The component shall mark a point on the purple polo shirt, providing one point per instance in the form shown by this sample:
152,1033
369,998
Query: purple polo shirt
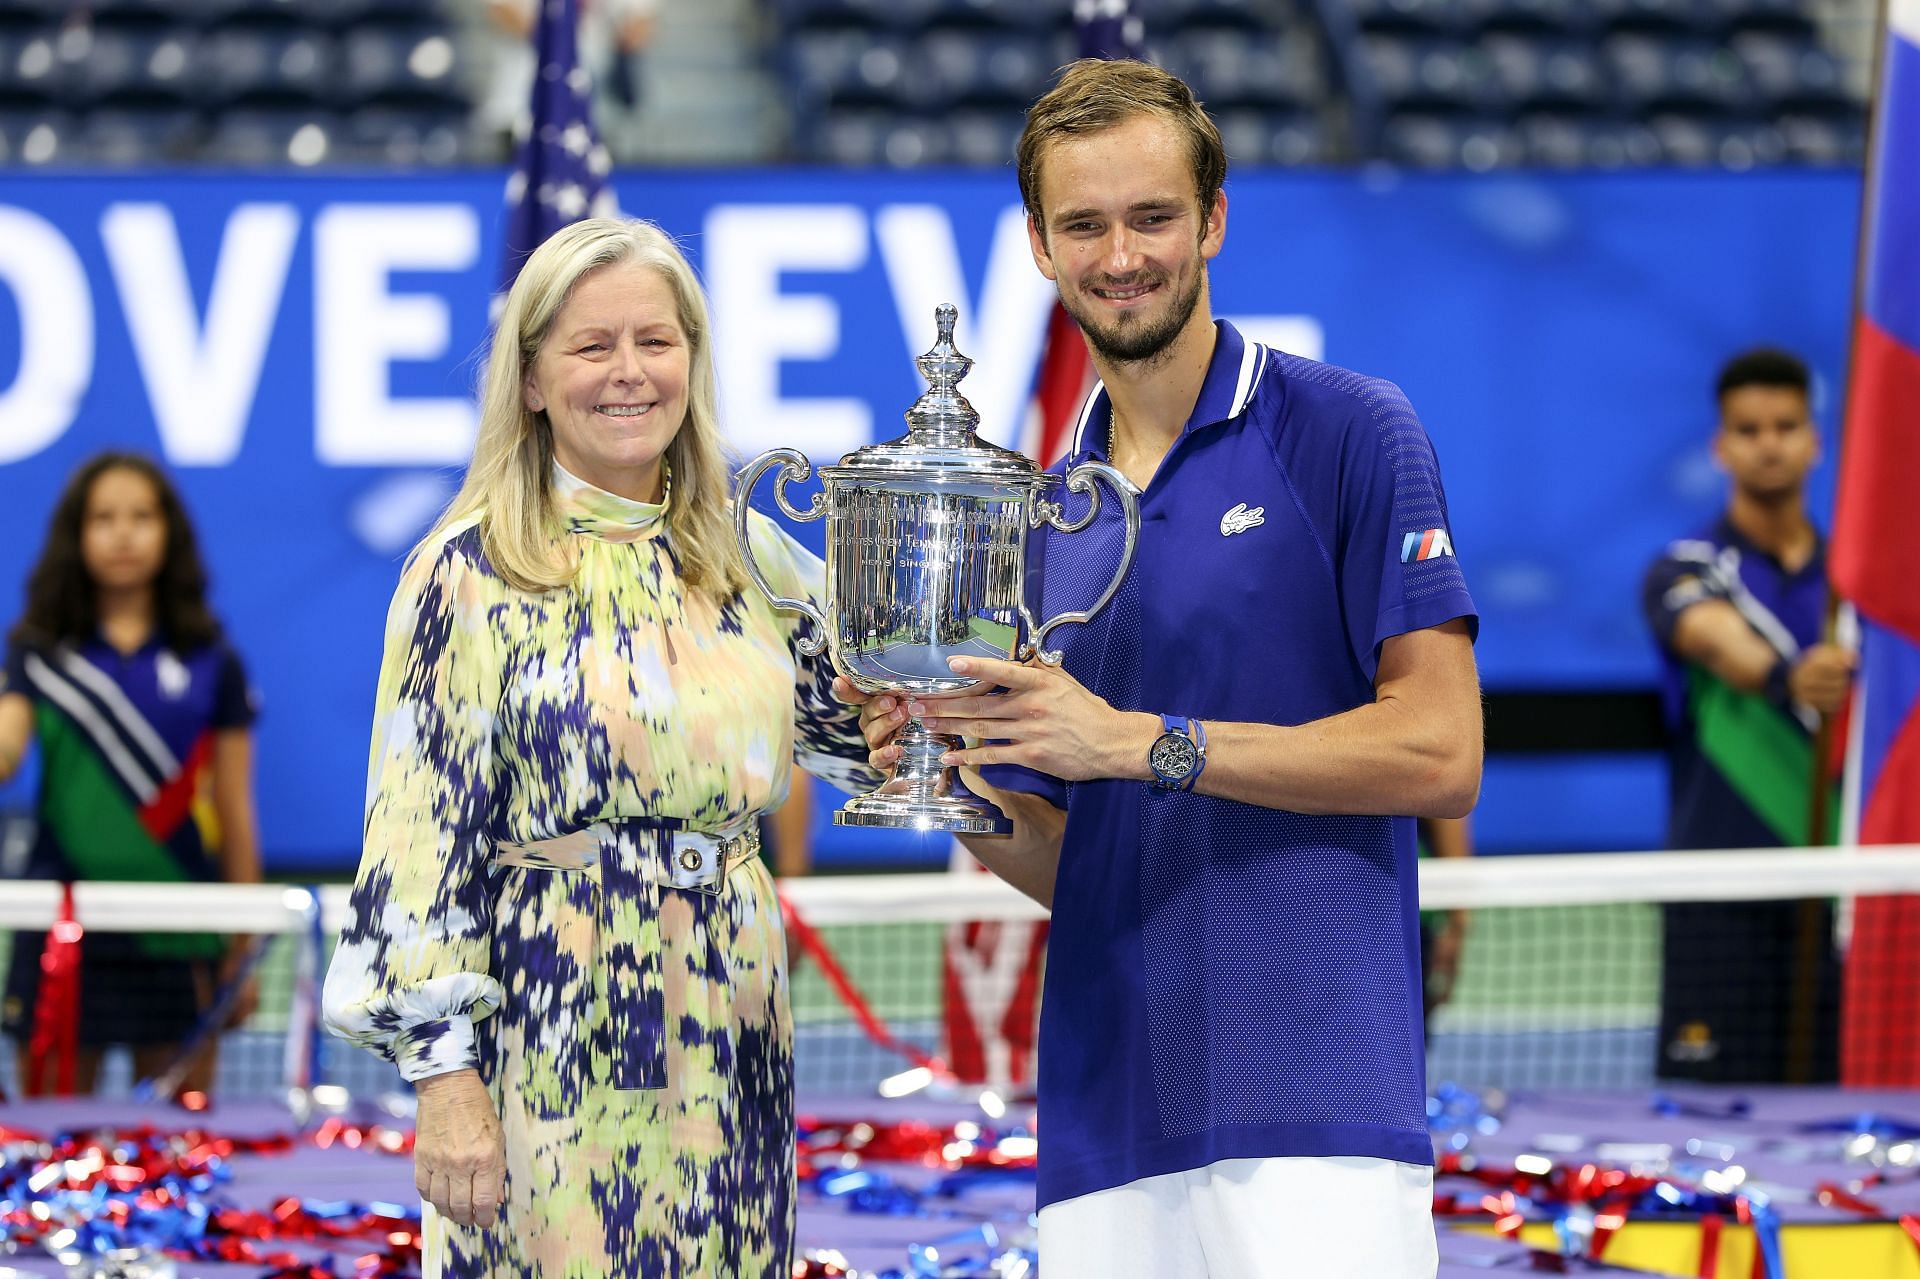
1227,981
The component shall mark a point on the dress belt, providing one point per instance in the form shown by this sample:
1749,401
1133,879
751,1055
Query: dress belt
637,857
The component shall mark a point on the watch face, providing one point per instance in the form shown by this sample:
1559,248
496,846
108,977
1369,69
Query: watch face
1174,756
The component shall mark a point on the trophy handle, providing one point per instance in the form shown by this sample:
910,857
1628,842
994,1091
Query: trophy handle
794,466
1080,480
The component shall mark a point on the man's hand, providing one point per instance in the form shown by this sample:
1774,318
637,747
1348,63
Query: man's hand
1821,677
1046,720
459,1152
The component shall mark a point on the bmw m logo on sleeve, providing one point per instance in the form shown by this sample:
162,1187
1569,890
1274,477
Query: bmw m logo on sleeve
1430,544
1240,519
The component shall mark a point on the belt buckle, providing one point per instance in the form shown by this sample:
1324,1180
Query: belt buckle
712,884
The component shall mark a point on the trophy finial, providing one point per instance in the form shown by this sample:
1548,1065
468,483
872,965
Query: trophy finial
942,415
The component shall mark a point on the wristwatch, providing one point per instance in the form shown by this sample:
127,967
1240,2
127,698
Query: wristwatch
1179,755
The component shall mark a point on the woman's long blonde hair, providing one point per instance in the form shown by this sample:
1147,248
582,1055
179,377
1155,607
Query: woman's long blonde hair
509,482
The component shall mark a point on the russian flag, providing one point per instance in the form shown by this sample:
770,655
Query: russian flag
1879,474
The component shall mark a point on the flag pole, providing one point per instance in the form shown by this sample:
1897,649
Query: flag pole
1820,794
1803,1010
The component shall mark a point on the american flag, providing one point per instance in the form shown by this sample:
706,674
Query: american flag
560,171
1106,29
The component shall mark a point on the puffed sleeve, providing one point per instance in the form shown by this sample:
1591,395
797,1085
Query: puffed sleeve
410,976
827,741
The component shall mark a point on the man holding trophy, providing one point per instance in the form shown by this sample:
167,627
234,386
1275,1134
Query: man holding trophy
1216,789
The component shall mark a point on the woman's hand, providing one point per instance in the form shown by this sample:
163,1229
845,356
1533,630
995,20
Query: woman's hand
459,1152
880,718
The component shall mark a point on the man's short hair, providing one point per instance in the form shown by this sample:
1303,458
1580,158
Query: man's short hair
1095,94
1762,366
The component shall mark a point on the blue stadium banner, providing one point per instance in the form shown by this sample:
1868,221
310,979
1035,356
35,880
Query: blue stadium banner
302,351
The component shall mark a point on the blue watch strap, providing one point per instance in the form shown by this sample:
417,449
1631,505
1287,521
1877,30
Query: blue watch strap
1198,732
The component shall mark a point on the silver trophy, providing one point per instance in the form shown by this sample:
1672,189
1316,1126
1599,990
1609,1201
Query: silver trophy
926,560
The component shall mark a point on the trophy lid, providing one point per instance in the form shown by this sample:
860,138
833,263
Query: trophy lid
941,440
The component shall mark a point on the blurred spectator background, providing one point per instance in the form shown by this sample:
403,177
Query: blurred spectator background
1472,84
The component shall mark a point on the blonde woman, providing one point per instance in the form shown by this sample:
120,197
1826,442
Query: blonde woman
560,931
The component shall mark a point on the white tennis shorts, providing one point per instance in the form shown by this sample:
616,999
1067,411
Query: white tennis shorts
1293,1218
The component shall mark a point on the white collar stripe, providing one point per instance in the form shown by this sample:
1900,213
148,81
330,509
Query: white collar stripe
1086,414
1244,386
1259,371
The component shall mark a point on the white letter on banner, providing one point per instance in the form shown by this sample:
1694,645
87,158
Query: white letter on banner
55,301
201,378
1003,331
756,326
361,329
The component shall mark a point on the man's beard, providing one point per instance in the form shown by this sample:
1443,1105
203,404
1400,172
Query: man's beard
1126,343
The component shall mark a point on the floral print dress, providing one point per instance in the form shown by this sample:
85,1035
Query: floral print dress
533,757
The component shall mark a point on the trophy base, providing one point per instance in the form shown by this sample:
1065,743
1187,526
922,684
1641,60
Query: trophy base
923,793
953,814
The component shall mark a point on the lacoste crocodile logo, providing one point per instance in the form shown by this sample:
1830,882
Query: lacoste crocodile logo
1240,519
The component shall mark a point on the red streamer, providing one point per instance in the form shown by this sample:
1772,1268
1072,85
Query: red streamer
56,1011
1832,1196
876,1029
1710,1246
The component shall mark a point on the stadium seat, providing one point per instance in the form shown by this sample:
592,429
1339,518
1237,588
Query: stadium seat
132,139
802,15
1653,74
984,139
35,72
1581,142
1694,142
30,137
1407,17
1824,139
21,14
1788,17
822,66
1791,74
341,14
286,12
402,139
1237,69
883,139
1278,138
1424,75
1562,18
1659,17
1546,73
848,139
1034,16
1188,15
382,65
12,91
272,138
986,68
908,17
260,66
131,12
122,66
1446,142
868,72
